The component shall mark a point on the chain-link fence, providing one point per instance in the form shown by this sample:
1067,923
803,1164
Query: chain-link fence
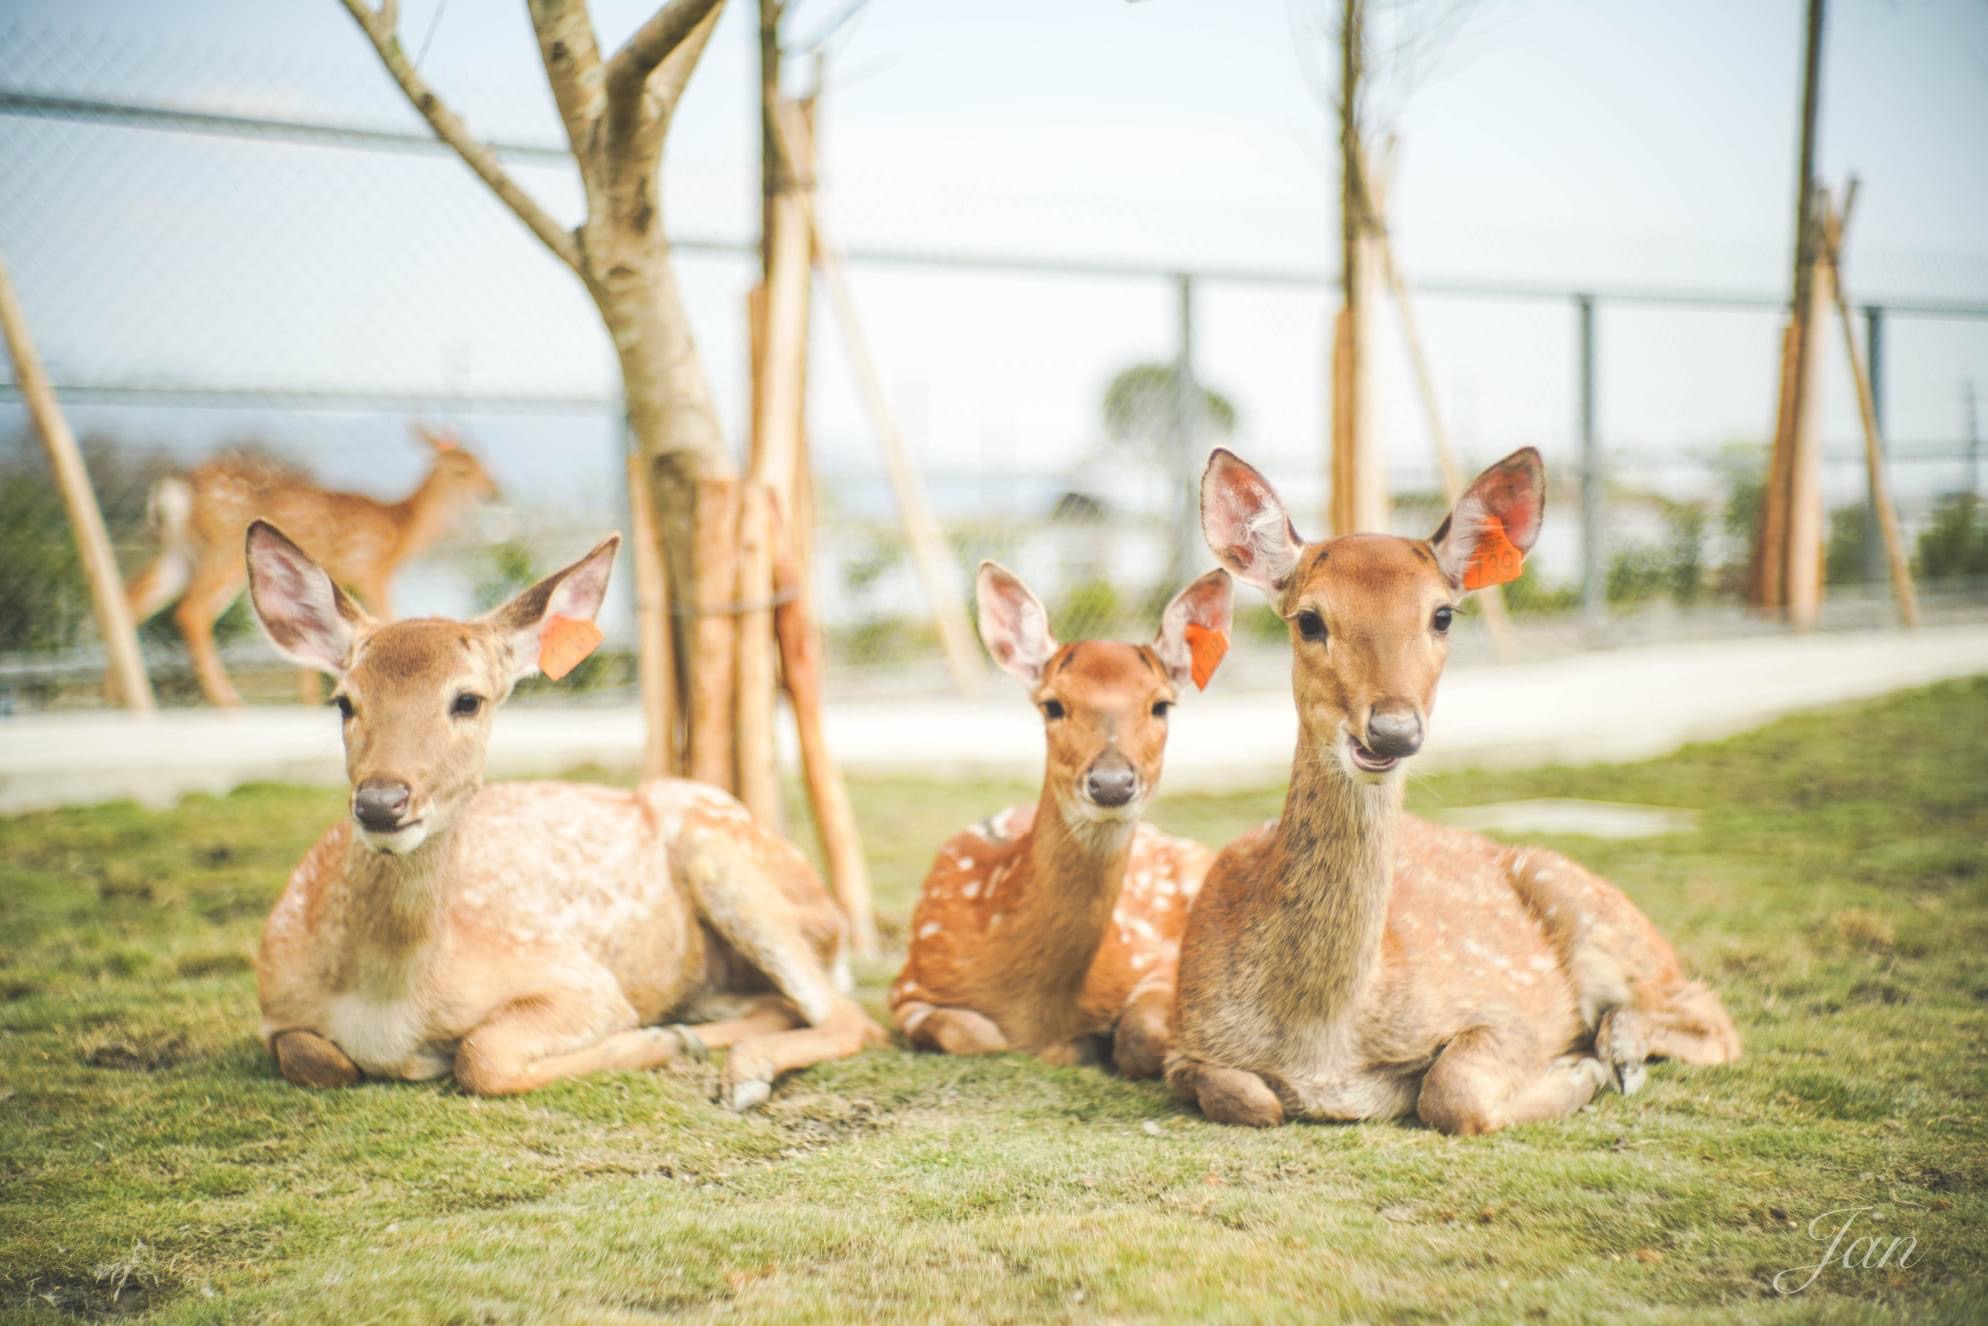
273,259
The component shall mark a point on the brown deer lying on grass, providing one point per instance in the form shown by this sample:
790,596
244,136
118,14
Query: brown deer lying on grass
1050,925
1352,962
201,517
528,931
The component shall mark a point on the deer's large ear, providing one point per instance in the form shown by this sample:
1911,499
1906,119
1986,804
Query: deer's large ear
1194,630
1486,536
308,618
550,627
1013,625
1246,525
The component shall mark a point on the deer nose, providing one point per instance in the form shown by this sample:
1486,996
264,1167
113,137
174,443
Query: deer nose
1111,783
378,804
1394,732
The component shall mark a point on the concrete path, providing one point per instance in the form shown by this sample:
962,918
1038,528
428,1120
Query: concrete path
1614,705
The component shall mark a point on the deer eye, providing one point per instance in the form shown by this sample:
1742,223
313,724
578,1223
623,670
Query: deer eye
1052,709
1442,619
466,706
1310,625
1160,708
344,706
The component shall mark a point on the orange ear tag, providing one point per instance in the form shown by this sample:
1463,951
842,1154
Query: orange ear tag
563,642
1206,648
1495,560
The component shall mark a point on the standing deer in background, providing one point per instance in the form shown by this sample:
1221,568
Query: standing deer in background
201,517
1352,962
1049,925
525,932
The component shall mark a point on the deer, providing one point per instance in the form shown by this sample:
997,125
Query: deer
519,933
1047,928
1348,961
200,519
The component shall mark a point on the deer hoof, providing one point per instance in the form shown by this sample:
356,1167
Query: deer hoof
742,1096
691,1045
1622,1047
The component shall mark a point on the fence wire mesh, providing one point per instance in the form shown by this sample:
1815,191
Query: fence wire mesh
268,257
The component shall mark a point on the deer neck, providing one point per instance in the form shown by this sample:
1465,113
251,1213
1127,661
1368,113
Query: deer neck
1055,907
400,898
1335,854
424,515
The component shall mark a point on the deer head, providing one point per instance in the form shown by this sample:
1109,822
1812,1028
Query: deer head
1104,705
457,473
1370,613
415,697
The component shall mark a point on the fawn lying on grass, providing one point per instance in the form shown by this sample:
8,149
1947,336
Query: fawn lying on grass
1352,962
523,932
1050,925
201,516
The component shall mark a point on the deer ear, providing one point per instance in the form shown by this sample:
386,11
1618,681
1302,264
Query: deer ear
1246,524
1194,630
1013,625
308,618
550,627
1484,539
444,438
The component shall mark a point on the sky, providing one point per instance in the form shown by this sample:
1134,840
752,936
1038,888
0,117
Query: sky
1551,141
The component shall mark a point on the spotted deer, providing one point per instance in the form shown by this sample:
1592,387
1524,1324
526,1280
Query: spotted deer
1052,925
201,516
1348,961
523,932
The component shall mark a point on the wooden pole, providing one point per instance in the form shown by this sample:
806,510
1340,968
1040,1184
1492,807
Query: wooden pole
1804,557
759,784
128,681
929,557
1835,226
835,821
715,633
655,653
1490,600
1359,498
1767,582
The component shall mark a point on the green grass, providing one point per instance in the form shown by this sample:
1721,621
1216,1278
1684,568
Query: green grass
1836,890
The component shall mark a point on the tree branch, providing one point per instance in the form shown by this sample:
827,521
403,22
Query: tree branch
378,25
572,57
653,42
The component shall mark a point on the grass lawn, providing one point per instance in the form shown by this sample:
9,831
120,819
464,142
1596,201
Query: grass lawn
1835,890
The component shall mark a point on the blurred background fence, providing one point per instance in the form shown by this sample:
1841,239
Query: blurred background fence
286,266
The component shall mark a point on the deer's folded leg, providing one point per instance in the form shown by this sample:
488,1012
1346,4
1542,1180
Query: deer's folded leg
753,1064
542,1038
309,1060
1494,1074
1139,1042
1226,1095
951,1030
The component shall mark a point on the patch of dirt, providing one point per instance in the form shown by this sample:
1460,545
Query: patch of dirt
137,1054
13,991
211,964
1879,992
98,1298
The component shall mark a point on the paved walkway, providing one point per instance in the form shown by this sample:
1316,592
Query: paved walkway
1613,705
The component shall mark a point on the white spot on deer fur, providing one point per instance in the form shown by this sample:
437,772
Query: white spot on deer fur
929,929
972,888
1541,964
1139,960
966,863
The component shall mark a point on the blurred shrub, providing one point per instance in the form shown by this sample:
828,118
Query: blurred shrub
1956,542
1532,595
1090,608
1843,557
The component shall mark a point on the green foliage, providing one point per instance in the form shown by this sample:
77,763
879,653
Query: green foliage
1843,553
1531,595
509,569
1956,543
1140,401
1090,610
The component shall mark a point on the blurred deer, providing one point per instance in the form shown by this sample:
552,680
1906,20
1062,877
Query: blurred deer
1352,962
201,517
1050,925
525,932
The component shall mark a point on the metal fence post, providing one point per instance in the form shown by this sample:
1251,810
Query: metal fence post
1186,417
1875,569
1594,585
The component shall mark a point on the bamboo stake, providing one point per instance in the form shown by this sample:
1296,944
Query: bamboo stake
835,821
1899,565
655,654
759,784
1803,559
1767,579
129,684
715,633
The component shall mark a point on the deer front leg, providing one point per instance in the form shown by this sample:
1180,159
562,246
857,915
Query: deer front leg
1491,1076
950,1030
542,1038
1145,1028
213,588
1226,1095
309,1060
753,1064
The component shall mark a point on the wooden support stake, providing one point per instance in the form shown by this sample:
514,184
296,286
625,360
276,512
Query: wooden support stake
1804,557
129,684
716,634
759,783
835,821
1767,580
655,654
1900,566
